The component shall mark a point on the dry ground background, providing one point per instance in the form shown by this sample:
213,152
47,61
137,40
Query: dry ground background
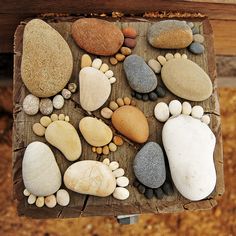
219,221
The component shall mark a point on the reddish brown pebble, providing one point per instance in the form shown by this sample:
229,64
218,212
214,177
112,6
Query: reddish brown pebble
99,150
129,32
118,140
105,150
94,149
131,43
113,61
120,57
133,102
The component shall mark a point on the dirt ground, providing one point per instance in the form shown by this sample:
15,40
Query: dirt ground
219,221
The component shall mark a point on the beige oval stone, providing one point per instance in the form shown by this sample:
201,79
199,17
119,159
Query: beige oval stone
95,132
47,61
86,61
131,122
186,79
90,177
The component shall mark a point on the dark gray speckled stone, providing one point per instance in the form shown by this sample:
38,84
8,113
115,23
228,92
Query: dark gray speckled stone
149,165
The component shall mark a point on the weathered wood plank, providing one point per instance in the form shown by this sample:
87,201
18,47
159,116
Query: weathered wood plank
82,205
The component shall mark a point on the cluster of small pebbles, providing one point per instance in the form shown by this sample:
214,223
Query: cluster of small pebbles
129,43
162,111
149,193
120,193
111,147
32,104
61,198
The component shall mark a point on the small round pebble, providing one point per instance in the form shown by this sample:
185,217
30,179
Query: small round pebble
138,96
136,183
45,121
186,108
99,150
145,97
125,51
127,100
167,188
148,193
133,102
198,38
38,129
86,61
195,29
113,61
113,105
121,193
161,92
58,101
161,112
31,105
169,56
190,24
155,65
106,161
129,32
120,57
50,201
112,80
122,181
46,106
118,172
94,149
67,118
66,93
206,119
106,113
118,140
196,48
62,197
54,117
130,43
31,199
109,74
175,107
184,56
114,165
141,189
72,87
120,102
26,192
40,202
104,68
97,63
61,117
153,96
161,59
112,147
177,55
105,150
158,193
197,112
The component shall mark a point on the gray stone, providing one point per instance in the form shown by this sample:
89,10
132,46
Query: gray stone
140,76
149,165
195,30
196,48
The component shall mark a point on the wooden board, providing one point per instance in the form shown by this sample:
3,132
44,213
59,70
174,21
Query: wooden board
82,205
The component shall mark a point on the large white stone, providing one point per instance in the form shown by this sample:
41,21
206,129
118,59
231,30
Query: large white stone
189,145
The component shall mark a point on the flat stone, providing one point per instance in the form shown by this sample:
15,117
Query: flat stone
90,177
47,61
149,165
186,79
95,88
189,145
97,36
196,48
140,76
170,34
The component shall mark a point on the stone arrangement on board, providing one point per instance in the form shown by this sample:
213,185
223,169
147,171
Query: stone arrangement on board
187,146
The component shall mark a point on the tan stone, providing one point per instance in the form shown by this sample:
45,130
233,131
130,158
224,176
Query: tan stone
86,61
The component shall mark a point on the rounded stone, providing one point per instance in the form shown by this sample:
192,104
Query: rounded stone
31,199
97,36
112,80
140,76
105,150
145,97
31,104
104,67
167,188
175,107
85,61
141,189
46,106
45,121
54,117
169,56
112,147
122,181
114,165
161,59
130,43
50,201
196,48
197,112
109,74
155,65
38,129
161,92
118,140
198,38
106,113
120,57
63,197
106,161
158,193
186,108
125,51
58,101
149,165
118,172
40,202
148,193
113,105
66,93
97,62
129,32
120,102
161,112
113,60
153,96
177,55
26,192
121,193
206,119
72,87
127,100
47,62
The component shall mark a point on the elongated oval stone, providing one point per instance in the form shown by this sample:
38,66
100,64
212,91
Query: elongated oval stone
140,76
186,79
47,61
189,145
170,34
90,177
97,36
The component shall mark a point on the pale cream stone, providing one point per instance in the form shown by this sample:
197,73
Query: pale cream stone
112,80
177,55
184,56
31,104
58,101
67,118
31,199
106,113
161,112
121,193
118,172
86,61
109,73
40,202
54,117
206,119
122,181
97,63
38,129
155,65
175,107
106,161
66,93
186,108
169,56
161,59
45,121
62,197
114,165
26,192
112,147
197,112
104,68
61,117
50,201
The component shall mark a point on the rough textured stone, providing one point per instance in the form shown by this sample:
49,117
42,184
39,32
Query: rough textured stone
97,36
149,165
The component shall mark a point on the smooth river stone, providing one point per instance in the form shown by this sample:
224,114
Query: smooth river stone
90,177
149,165
95,131
186,79
97,36
140,76
95,88
47,61
132,123
170,34
38,167
189,145
63,135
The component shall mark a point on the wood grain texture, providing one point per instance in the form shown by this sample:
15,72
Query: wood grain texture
82,205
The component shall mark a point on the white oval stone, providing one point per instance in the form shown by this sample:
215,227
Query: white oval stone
114,165
161,59
63,197
58,101
109,74
186,108
161,112
175,107
118,172
206,119
26,192
122,181
112,80
104,68
50,201
197,112
40,202
177,55
121,193
38,167
31,104
155,65
31,199
90,177
189,145
95,88
169,56
106,161
97,63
